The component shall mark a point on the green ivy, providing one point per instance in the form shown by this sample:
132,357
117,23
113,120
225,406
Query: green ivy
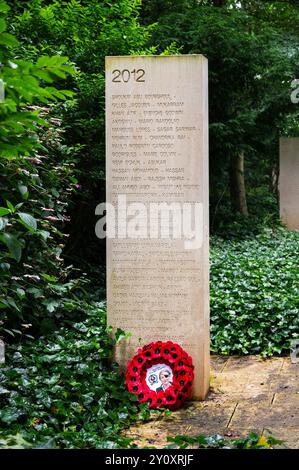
65,390
251,441
254,293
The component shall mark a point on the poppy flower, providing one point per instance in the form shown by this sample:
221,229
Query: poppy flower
144,396
157,349
135,387
157,400
133,370
170,397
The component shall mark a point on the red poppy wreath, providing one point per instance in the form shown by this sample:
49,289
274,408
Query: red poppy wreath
161,374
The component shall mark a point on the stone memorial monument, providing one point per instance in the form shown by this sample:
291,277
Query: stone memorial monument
289,182
157,183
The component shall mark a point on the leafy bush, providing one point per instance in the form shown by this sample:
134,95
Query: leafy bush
64,391
37,178
254,295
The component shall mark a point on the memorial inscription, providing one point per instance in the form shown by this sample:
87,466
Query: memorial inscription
289,182
157,154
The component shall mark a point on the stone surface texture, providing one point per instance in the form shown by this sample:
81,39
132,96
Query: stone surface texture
289,182
157,152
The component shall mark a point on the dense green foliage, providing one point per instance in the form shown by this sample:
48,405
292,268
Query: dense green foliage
52,156
35,185
64,391
254,293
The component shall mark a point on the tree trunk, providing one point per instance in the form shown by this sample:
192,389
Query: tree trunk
237,184
274,178
219,3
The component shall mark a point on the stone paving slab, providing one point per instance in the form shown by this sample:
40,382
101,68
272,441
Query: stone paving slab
248,394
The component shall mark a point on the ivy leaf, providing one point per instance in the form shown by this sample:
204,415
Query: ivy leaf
4,8
8,40
9,415
51,305
2,25
49,278
13,244
4,211
21,293
28,220
3,223
23,190
120,334
4,266
44,234
10,207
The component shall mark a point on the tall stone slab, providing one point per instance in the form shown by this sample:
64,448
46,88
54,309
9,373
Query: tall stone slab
157,152
289,182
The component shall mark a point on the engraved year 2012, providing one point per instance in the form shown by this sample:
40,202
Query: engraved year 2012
126,75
